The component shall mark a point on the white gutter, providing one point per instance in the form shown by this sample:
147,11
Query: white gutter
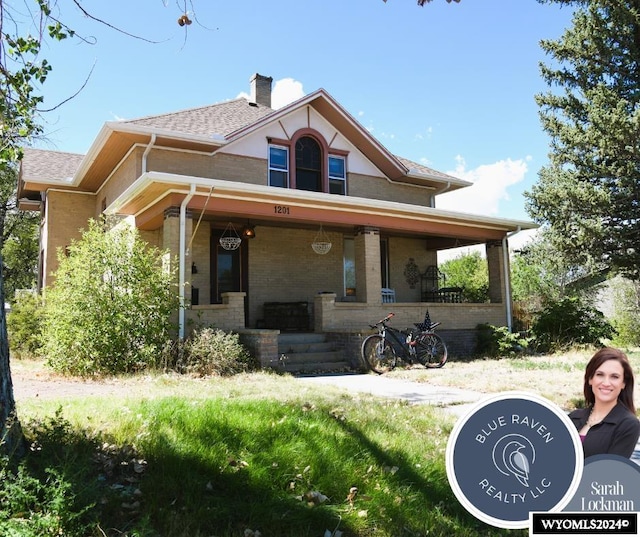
152,142
507,274
443,189
182,258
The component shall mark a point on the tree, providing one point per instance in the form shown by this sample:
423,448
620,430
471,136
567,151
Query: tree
21,70
19,239
589,194
22,73
470,272
109,309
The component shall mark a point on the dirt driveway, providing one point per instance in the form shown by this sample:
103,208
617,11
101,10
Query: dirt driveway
32,379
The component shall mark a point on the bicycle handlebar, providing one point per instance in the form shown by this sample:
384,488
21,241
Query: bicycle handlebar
382,321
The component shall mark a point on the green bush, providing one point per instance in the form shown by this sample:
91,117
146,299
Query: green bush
210,351
37,500
109,310
626,317
33,508
499,341
568,322
24,325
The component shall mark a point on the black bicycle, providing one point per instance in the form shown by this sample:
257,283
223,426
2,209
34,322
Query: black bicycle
381,351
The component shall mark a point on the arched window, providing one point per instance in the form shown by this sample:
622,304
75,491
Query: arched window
308,164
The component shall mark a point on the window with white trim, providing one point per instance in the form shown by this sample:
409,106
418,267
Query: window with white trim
278,166
337,175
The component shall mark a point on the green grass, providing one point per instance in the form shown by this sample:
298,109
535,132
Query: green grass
257,453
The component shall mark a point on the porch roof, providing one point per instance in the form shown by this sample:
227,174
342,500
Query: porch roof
154,192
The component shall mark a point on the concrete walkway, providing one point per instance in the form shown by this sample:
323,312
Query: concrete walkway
453,399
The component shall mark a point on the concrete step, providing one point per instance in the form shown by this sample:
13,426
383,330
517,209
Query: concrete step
312,347
313,357
294,338
319,367
310,352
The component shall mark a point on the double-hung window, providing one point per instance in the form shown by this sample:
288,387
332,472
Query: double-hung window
337,175
278,166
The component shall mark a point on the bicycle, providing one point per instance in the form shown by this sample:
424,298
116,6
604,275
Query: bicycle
380,351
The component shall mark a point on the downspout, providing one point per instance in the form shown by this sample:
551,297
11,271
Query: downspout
152,142
438,192
507,274
182,257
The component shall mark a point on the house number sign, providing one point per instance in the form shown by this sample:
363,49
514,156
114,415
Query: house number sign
281,209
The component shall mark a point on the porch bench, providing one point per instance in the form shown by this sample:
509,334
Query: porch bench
292,316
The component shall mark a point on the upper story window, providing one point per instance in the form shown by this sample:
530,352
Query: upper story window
305,162
308,165
337,175
279,166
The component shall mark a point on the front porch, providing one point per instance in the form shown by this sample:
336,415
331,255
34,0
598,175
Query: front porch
345,324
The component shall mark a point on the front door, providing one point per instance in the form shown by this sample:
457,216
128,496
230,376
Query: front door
228,269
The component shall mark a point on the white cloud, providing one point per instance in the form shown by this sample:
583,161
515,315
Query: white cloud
283,92
490,186
286,91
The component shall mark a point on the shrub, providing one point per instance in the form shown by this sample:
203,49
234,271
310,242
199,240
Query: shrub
31,508
569,322
37,501
626,318
24,325
499,341
109,310
210,351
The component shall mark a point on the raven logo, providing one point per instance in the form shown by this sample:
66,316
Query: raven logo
513,455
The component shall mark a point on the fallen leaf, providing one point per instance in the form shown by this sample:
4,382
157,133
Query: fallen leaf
353,492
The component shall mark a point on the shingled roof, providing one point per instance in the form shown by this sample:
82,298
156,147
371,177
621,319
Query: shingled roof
217,119
43,165
420,168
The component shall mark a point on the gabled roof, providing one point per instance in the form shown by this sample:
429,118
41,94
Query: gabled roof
207,129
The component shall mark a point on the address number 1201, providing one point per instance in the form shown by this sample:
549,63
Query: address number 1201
281,209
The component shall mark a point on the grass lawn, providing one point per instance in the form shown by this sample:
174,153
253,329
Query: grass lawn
258,454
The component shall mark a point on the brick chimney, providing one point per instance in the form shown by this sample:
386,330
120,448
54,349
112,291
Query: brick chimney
261,89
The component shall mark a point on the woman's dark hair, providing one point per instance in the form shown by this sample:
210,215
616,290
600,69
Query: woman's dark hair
608,353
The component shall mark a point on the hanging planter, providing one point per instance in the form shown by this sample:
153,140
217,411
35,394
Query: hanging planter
230,239
321,244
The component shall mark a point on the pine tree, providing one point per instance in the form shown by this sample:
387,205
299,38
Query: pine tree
589,194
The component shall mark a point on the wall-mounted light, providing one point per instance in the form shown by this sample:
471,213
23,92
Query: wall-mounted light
249,232
194,269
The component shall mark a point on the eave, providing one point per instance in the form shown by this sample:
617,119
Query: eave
154,192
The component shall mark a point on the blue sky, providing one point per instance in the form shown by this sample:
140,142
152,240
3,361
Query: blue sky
449,85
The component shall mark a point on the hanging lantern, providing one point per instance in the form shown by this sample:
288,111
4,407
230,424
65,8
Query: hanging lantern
321,244
230,239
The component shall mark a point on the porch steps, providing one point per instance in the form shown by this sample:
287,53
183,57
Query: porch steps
310,352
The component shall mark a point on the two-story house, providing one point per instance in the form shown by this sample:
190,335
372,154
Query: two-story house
288,219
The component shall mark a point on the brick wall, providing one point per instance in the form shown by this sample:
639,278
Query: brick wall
366,186
400,251
67,213
283,267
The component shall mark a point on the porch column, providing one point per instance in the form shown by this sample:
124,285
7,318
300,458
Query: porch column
171,243
368,272
496,266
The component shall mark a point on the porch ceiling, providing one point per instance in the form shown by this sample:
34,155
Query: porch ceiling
154,192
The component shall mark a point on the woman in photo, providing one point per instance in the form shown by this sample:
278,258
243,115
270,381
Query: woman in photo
608,425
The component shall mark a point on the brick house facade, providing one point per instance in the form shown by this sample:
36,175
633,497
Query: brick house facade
291,175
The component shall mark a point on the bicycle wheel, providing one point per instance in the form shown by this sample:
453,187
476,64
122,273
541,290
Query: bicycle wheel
378,354
431,351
